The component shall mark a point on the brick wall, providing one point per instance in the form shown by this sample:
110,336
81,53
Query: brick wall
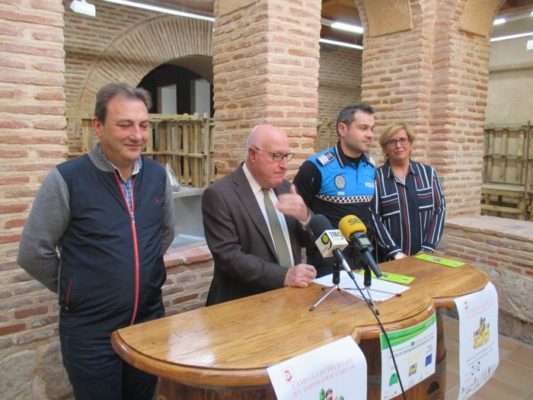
265,63
32,122
501,248
339,79
458,111
47,71
124,44
435,77
397,77
189,274
339,84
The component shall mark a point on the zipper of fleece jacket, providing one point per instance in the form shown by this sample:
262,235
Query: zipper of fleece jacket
131,212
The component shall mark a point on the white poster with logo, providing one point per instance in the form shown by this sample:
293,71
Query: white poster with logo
336,371
478,339
415,351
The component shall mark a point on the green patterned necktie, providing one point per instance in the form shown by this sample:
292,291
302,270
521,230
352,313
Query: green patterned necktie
284,256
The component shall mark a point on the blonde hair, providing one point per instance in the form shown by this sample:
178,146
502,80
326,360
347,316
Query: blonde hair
392,130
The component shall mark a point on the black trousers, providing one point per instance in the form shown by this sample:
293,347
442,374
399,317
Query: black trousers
96,372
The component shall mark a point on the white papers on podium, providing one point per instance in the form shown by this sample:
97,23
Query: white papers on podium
379,290
337,370
478,339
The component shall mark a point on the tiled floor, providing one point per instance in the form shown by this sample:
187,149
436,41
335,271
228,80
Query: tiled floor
513,379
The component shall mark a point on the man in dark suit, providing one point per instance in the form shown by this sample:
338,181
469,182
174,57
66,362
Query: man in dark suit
256,244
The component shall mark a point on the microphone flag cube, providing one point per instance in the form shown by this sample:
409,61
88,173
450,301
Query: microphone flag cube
329,241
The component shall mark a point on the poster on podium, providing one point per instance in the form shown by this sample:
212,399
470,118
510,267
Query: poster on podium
478,339
415,352
336,371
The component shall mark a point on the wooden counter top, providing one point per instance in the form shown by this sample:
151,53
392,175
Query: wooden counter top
232,344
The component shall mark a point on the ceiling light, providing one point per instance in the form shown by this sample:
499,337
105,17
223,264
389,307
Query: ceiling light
347,27
82,7
529,45
508,37
499,21
161,9
341,44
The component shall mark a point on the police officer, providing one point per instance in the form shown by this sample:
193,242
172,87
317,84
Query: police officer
340,180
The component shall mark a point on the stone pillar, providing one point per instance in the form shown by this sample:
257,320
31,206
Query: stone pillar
265,64
32,141
425,62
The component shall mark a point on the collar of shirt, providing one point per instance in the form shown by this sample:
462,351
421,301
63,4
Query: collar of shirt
256,188
390,174
136,166
344,159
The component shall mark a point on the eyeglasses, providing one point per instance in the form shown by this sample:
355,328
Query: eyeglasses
277,157
395,142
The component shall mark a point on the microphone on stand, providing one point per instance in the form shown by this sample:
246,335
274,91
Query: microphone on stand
354,230
330,242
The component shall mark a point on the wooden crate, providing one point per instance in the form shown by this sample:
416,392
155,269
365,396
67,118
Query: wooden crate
185,142
508,155
508,171
530,205
504,200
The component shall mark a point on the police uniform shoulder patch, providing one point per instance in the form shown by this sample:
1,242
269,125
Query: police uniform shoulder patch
326,158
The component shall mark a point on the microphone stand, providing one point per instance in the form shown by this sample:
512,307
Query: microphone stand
336,281
371,305
368,282
369,302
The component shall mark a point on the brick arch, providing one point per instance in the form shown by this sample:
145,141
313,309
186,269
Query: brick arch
477,16
383,17
130,56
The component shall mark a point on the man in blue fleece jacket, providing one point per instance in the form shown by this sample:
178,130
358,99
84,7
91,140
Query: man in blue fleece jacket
96,235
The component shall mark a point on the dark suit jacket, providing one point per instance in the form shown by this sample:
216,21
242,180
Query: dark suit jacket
240,242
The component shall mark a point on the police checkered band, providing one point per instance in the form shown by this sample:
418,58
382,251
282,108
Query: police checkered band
345,199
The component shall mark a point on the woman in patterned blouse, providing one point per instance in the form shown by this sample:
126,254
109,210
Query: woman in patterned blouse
408,208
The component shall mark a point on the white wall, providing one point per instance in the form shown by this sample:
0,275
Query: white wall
201,101
167,100
510,88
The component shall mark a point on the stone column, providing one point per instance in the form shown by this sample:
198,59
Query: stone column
32,142
426,62
265,64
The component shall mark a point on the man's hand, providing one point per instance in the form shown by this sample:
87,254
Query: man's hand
293,205
300,275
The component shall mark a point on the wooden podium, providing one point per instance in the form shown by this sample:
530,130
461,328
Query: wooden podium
222,351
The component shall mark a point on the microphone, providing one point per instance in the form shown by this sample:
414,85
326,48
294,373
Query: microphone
354,230
330,241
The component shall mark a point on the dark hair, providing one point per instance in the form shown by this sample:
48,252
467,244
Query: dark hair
106,93
347,114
